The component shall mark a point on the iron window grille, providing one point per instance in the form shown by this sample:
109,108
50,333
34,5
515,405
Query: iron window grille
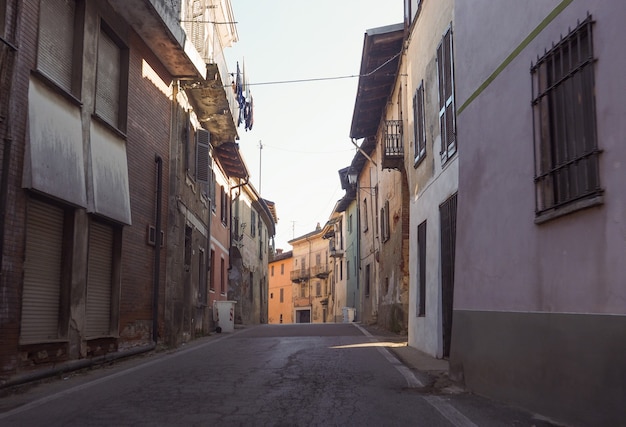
564,121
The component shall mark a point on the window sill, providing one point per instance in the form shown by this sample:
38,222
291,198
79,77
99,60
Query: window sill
41,76
418,160
109,126
570,208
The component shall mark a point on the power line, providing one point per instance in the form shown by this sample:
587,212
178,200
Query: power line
278,82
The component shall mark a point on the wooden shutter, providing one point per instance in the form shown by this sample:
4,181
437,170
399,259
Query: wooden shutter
56,41
108,79
42,272
99,280
202,156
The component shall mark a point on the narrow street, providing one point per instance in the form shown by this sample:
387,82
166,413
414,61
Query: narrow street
297,375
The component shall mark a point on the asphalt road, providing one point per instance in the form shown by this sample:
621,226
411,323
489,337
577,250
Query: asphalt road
269,375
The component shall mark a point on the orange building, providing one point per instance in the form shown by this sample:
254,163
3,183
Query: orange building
280,305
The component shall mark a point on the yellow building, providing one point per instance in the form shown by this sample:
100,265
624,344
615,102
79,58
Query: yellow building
310,277
280,304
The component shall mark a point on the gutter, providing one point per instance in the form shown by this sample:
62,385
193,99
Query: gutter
74,365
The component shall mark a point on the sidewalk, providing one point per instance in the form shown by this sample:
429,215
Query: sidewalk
431,371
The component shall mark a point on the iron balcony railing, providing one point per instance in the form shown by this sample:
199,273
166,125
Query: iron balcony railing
393,153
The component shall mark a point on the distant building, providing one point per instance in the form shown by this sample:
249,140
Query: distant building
280,304
310,277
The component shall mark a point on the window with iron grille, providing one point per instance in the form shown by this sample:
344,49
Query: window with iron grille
564,120
447,111
419,134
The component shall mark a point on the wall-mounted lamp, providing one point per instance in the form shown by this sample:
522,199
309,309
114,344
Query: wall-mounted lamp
352,177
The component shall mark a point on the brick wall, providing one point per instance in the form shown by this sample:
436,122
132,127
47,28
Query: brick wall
149,117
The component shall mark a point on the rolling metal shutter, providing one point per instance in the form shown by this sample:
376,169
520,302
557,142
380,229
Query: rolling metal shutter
98,306
56,41
42,273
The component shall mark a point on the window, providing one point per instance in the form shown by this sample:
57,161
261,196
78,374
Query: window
421,249
111,79
318,289
447,111
59,46
3,7
212,278
203,159
419,133
282,269
201,276
272,271
188,235
384,222
350,224
223,277
318,259
367,280
348,269
224,202
271,295
252,223
365,226
303,290
566,148
282,295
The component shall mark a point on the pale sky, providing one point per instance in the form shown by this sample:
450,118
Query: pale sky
304,127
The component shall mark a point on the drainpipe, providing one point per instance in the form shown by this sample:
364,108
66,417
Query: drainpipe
5,69
157,249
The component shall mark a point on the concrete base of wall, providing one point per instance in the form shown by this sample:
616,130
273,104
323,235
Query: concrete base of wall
568,367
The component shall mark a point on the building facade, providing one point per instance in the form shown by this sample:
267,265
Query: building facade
252,233
112,146
310,277
280,304
431,161
539,313
380,179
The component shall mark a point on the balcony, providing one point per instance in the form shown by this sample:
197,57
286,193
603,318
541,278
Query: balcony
300,275
393,153
320,271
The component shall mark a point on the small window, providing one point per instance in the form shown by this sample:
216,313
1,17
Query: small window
272,271
564,119
282,269
282,295
365,222
252,223
223,276
384,222
419,134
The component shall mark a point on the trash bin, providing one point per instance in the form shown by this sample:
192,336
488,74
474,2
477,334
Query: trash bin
225,315
348,314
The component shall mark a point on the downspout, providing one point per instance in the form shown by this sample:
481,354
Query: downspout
10,50
157,248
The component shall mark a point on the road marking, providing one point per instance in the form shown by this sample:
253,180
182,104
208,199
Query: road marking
444,408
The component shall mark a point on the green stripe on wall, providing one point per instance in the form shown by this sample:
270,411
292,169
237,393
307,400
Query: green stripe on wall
555,12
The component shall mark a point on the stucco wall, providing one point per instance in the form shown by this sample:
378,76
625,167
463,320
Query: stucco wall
430,181
571,264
